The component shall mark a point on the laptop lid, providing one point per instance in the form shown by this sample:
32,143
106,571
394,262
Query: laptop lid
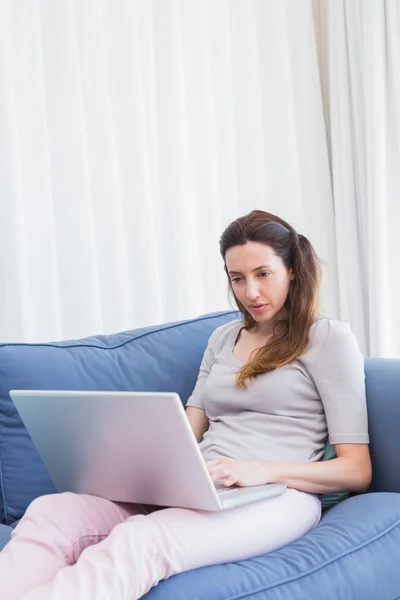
125,446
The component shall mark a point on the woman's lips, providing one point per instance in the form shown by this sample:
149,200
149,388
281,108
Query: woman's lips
259,308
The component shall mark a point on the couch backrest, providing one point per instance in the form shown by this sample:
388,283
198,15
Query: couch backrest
159,358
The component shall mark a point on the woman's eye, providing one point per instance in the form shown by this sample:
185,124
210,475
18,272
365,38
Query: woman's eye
262,274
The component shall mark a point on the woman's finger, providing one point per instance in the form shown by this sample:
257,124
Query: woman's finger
221,474
231,480
217,475
219,467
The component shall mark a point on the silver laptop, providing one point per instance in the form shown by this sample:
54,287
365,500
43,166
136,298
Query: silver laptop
128,447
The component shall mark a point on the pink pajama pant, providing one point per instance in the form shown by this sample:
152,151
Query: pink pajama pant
83,547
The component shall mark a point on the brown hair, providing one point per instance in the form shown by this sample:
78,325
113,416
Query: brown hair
290,336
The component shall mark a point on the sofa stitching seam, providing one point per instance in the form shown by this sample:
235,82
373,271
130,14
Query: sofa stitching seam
173,326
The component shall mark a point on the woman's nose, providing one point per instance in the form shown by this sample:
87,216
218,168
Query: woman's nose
252,290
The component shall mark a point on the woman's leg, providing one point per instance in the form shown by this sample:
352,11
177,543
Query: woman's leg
146,549
51,535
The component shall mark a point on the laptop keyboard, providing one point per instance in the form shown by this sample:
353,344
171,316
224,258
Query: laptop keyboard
221,488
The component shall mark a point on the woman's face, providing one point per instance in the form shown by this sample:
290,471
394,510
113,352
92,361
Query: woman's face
259,278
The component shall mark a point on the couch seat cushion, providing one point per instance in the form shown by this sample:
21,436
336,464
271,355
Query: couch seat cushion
354,552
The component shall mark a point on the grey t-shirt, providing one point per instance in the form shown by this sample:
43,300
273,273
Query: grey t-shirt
289,413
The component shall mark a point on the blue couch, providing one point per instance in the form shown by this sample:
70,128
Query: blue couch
354,553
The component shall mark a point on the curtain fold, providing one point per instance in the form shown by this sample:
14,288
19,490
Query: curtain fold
359,43
132,133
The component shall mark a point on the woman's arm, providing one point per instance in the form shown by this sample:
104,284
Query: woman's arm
349,472
336,366
198,421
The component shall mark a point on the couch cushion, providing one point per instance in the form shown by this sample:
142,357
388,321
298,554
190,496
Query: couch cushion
354,552
5,533
159,358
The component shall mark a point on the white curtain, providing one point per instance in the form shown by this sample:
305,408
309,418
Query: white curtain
359,43
132,133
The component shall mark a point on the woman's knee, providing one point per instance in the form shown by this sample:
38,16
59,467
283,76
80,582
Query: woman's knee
54,513
61,520
60,523
53,505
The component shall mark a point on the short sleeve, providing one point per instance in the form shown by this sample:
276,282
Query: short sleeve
204,371
337,367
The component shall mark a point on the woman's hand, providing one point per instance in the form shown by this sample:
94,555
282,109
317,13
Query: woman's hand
242,473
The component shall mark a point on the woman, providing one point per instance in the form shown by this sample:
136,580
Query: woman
272,388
